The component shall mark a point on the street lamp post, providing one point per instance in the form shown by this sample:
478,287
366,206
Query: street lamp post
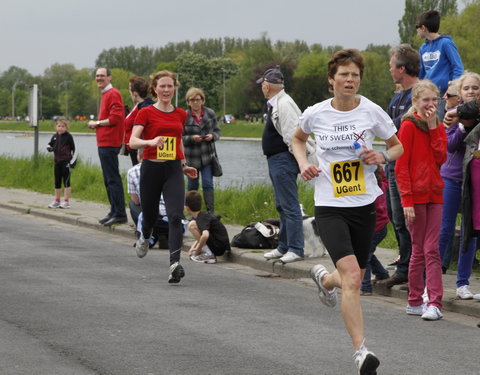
224,95
65,83
13,98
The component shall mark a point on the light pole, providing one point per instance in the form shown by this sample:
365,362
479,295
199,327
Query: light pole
13,97
224,95
65,83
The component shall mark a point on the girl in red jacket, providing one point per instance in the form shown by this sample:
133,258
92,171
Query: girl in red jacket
418,176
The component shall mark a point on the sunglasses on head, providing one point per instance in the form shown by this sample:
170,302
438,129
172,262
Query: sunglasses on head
451,95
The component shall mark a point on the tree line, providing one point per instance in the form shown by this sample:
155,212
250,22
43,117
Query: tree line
227,68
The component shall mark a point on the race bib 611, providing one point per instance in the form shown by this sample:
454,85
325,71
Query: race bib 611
168,151
347,178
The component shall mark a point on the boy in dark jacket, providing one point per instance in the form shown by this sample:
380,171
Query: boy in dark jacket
211,237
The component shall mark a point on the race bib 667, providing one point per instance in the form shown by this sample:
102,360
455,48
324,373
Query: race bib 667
347,178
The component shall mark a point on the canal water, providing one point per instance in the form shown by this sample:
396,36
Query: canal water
242,161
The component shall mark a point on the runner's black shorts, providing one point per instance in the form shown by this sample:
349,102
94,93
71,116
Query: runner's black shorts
346,231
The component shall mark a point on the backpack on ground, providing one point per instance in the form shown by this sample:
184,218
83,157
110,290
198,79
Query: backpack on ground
258,235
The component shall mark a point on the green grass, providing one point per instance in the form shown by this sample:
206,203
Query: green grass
242,129
45,126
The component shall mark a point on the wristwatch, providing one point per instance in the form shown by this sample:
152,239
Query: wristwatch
386,155
98,123
184,165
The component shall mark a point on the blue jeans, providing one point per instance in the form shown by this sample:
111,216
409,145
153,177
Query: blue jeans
112,180
452,195
283,171
207,179
374,266
398,220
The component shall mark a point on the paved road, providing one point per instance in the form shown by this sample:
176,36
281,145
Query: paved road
78,301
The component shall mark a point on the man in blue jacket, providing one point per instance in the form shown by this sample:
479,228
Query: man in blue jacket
439,58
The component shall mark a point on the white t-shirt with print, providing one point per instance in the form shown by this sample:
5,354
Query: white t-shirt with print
342,181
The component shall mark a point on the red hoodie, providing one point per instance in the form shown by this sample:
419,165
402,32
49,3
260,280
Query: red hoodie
418,170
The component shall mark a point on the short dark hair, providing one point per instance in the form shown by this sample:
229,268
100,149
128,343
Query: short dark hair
107,70
430,19
404,55
345,57
140,85
193,200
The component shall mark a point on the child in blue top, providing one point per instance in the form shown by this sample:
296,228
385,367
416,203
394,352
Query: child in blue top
439,58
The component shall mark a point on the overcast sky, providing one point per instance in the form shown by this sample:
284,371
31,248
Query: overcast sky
36,34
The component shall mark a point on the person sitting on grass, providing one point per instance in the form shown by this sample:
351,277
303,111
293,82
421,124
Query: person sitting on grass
211,237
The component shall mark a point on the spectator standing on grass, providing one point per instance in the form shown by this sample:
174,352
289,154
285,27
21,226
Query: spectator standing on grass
199,136
139,89
421,188
281,122
109,129
452,174
63,148
374,265
440,60
469,116
404,68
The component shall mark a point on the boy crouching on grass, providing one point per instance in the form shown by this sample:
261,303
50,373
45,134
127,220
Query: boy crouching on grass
211,237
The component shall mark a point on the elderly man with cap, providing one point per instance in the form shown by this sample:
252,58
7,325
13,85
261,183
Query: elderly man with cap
282,121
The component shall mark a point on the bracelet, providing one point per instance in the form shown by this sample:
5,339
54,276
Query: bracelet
386,155
184,165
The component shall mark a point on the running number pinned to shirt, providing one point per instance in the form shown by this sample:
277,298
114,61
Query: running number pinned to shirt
347,178
168,151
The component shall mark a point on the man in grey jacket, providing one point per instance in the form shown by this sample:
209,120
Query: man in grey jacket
282,121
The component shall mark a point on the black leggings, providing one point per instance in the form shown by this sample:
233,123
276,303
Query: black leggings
61,173
167,178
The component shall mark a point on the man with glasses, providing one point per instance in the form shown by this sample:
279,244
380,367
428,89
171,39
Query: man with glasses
109,129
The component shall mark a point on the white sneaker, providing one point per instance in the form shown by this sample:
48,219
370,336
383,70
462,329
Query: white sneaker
142,246
65,204
54,204
416,310
432,313
274,254
366,361
290,257
464,293
176,273
476,296
425,296
328,297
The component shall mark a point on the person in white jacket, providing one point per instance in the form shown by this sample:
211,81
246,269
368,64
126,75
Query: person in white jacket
281,122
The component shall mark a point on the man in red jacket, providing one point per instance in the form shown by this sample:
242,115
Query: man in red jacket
109,130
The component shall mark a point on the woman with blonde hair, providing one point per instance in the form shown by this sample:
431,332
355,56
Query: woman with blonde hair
421,188
199,136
